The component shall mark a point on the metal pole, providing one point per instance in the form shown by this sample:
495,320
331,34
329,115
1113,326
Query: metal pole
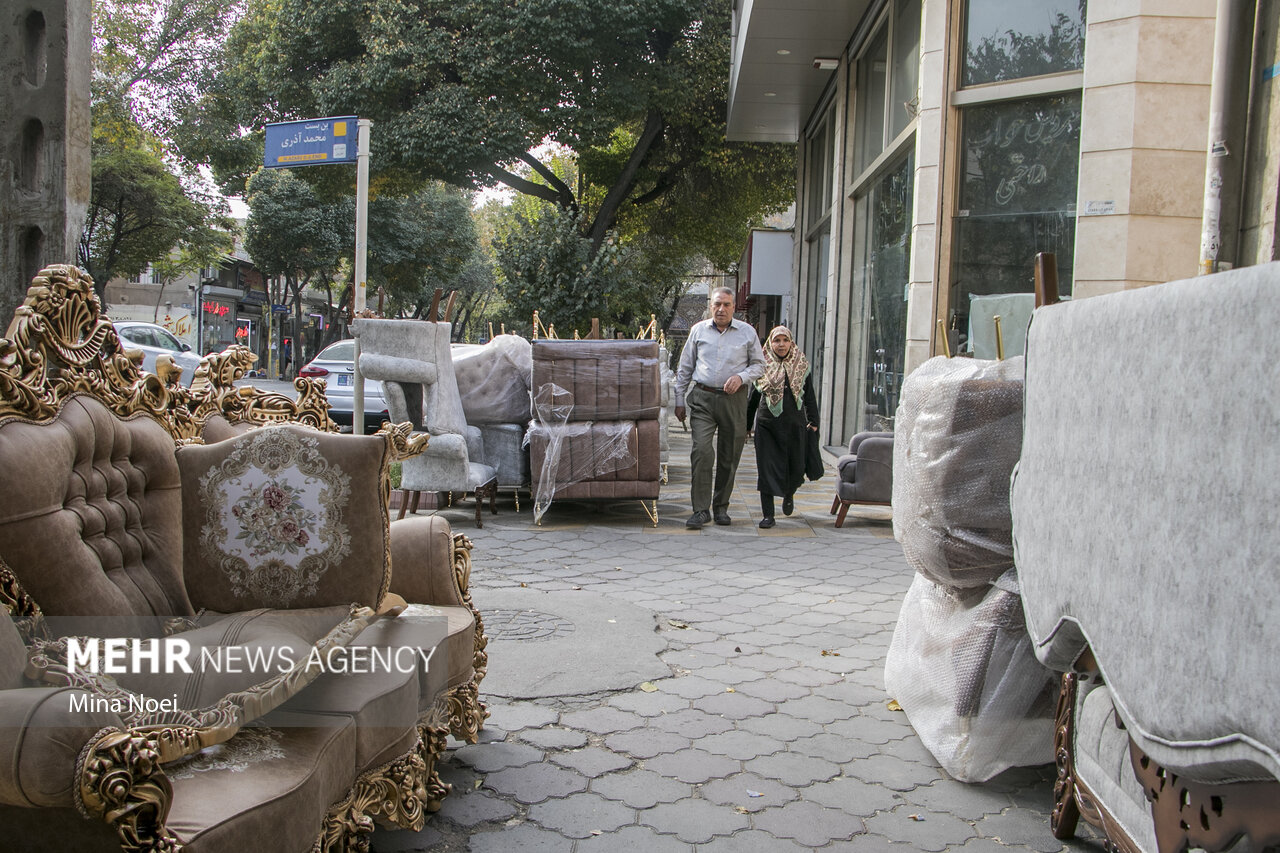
1226,28
362,246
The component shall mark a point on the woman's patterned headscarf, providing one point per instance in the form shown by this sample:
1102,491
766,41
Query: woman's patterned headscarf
781,373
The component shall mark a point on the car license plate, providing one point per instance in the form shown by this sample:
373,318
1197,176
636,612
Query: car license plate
344,378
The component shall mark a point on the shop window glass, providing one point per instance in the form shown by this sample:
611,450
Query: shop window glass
815,320
1010,39
1017,197
873,72
882,254
905,79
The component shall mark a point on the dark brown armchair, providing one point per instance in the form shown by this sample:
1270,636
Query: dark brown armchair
866,473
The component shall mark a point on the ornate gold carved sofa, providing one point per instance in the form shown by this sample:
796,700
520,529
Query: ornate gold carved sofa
151,526
1147,556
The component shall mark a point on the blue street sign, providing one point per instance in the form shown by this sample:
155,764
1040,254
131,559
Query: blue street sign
313,142
279,309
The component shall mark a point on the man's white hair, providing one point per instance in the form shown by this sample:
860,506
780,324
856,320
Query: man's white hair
727,291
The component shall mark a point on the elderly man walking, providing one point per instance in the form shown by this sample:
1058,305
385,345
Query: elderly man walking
720,361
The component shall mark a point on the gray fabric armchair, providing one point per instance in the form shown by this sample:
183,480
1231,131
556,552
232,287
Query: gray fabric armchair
866,473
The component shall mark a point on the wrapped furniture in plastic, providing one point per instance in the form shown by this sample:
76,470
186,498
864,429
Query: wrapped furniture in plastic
493,381
595,431
960,663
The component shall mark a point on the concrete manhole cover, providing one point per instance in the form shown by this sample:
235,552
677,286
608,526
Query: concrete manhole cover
525,625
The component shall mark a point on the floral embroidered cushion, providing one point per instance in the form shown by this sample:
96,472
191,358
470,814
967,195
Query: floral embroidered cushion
285,516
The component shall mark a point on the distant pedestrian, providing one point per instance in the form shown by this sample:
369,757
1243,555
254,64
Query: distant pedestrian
788,413
286,357
720,359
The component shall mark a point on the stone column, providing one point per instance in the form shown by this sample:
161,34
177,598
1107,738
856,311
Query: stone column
1147,69
44,140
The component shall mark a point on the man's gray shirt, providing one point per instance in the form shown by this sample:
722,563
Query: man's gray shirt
710,356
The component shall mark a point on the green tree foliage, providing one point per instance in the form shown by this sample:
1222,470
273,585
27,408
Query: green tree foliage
419,243
151,58
149,55
296,238
464,90
139,213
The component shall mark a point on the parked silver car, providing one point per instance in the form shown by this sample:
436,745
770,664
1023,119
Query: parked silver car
155,341
335,364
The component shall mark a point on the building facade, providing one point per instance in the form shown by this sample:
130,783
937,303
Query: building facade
944,143
44,139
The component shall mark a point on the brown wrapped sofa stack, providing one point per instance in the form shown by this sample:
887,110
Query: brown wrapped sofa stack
266,557
595,429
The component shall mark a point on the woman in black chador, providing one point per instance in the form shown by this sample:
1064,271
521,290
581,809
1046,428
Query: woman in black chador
780,422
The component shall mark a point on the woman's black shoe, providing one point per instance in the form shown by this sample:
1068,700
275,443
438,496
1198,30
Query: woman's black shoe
788,505
766,522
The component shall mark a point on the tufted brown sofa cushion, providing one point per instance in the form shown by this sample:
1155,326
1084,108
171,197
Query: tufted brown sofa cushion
94,530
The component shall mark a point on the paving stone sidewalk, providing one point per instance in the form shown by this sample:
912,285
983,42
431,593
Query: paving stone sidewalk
771,730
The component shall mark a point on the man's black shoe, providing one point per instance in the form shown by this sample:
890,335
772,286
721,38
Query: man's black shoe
723,519
698,519
766,522
788,505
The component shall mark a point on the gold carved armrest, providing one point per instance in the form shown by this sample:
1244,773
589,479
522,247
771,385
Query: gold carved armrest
120,781
213,392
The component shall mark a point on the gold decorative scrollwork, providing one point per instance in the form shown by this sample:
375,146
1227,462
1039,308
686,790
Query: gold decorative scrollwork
121,783
214,392
402,441
24,611
466,712
59,345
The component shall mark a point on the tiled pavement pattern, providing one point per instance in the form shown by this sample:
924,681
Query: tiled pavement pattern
772,733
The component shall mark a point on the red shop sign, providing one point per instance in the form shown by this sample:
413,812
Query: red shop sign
216,308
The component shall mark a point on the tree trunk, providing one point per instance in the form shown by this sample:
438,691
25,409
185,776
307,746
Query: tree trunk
608,212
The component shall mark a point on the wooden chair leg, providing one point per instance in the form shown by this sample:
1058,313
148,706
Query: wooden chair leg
404,503
493,498
417,496
479,506
835,504
844,509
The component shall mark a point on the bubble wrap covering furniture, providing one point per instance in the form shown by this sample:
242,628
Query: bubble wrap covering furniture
1144,528
610,394
960,662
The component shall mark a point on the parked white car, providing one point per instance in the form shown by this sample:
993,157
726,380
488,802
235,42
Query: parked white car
155,341
335,364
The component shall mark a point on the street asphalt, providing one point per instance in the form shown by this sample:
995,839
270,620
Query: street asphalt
655,689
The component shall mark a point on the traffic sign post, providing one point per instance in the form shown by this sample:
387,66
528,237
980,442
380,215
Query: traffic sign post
362,246
326,142
312,142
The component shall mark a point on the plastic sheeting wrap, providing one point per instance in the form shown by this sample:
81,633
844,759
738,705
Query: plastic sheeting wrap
494,378
960,663
957,436
576,451
961,666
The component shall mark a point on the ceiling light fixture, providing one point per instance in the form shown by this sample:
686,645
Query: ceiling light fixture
826,63
771,94
783,52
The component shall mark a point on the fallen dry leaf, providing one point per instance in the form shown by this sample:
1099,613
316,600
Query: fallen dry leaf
649,687
894,706
742,810
522,583
730,690
830,653
674,624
